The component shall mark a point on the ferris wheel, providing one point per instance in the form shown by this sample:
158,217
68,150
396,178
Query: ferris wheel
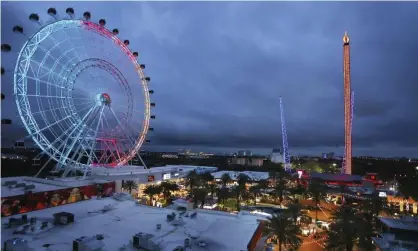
80,92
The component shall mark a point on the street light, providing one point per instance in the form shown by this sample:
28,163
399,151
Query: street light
334,165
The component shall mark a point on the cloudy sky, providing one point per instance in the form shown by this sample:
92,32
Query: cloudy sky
218,69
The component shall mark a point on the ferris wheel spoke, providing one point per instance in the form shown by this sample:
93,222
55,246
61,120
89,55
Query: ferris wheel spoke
128,136
49,126
86,152
45,96
45,68
65,155
72,45
94,142
55,41
57,62
41,81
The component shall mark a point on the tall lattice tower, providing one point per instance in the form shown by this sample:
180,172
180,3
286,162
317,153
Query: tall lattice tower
286,156
347,105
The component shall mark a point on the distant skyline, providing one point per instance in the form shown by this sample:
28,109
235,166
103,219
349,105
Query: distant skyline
218,69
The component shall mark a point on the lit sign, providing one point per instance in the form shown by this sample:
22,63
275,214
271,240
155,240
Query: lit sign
382,194
300,172
151,178
176,174
166,176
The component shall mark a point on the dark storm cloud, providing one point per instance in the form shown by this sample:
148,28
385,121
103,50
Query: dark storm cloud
218,69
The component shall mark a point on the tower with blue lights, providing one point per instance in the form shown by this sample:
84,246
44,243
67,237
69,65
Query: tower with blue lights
286,156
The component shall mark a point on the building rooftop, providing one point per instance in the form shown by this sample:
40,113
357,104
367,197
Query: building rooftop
409,224
41,185
336,177
123,219
234,175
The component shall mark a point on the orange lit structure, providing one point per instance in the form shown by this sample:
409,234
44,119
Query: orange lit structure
347,105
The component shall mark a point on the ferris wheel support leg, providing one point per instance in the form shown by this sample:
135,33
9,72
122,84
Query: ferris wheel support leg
43,167
142,161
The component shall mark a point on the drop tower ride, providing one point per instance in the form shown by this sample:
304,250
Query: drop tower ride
347,105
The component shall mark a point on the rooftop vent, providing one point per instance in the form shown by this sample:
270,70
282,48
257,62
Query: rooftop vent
10,183
29,187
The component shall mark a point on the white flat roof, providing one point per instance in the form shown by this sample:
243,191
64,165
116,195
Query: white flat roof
43,185
222,231
404,224
234,175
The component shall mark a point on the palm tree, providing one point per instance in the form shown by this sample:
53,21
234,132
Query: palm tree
242,180
130,185
282,229
167,188
345,231
212,187
273,175
206,177
281,187
151,191
225,178
316,189
295,210
223,194
299,190
255,192
191,179
199,194
237,191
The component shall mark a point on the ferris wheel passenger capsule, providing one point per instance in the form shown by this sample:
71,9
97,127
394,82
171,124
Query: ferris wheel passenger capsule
87,15
52,12
6,48
147,141
2,71
152,117
151,129
136,54
115,32
102,22
152,104
70,12
147,79
126,42
34,17
18,29
151,91
142,66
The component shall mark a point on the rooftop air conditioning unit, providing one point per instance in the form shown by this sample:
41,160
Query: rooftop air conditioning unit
20,185
9,183
63,218
87,244
144,241
15,244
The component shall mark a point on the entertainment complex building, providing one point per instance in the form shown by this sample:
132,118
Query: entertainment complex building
90,214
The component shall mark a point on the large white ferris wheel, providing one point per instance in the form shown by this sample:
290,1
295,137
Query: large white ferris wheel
81,93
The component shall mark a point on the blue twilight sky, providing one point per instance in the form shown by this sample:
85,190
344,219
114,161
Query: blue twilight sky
218,69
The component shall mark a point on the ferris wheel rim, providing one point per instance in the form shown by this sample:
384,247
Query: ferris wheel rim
22,103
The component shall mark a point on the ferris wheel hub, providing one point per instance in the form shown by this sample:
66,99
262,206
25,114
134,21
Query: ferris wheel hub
103,99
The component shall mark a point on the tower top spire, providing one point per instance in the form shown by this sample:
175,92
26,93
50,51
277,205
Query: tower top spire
346,39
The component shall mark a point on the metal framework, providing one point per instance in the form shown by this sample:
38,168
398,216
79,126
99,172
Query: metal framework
347,106
49,94
286,156
351,125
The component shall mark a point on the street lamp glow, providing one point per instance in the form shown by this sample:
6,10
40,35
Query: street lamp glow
334,165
